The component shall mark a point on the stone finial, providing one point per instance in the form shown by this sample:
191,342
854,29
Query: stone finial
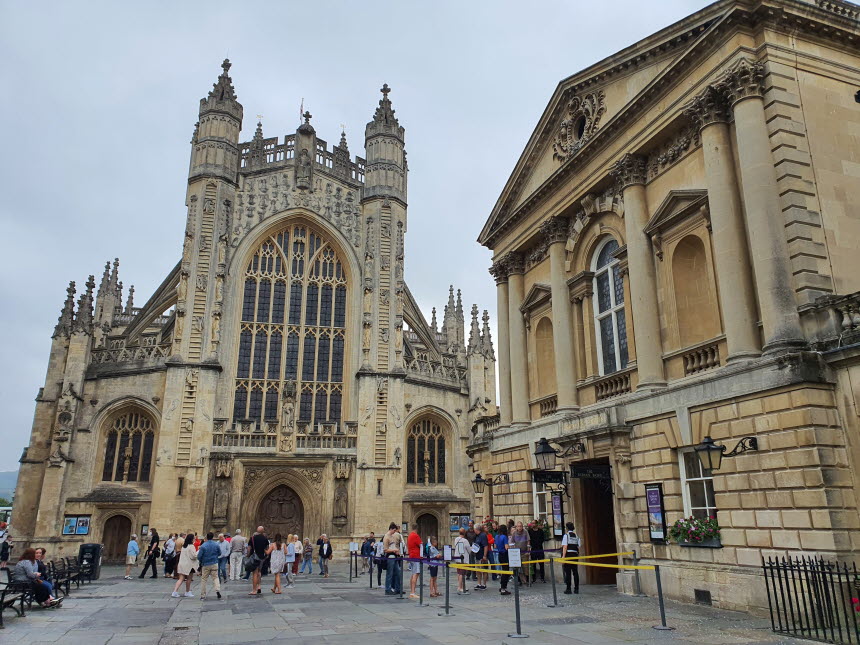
84,318
222,89
196,133
129,304
555,229
745,79
630,170
475,332
342,145
459,309
258,133
433,324
450,307
487,338
708,107
119,293
384,114
67,313
103,285
114,276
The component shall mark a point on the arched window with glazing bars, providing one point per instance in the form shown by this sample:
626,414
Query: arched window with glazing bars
129,444
292,330
425,453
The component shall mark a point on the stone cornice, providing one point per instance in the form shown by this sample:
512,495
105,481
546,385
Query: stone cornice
824,22
579,285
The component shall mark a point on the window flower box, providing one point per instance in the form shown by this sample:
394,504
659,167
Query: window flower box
696,532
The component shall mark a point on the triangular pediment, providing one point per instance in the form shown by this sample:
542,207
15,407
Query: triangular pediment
538,295
677,205
627,80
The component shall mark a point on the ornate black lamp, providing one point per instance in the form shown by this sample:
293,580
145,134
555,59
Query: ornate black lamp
545,454
479,483
711,455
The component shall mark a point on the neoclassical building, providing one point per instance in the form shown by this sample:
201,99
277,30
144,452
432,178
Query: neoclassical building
676,258
282,373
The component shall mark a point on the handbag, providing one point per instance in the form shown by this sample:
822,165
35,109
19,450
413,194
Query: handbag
251,562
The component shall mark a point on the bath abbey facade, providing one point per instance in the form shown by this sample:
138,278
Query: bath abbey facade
281,374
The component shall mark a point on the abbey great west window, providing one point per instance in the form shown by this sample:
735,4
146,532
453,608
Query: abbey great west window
291,340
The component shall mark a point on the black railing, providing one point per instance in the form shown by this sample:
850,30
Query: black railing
812,598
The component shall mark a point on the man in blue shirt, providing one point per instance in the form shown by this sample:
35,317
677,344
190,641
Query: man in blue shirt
207,556
502,549
131,553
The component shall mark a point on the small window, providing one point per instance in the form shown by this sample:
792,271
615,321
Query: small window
379,487
181,486
698,487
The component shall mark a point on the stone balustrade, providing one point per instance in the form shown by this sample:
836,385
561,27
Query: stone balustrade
612,385
153,353
837,321
548,405
446,371
702,358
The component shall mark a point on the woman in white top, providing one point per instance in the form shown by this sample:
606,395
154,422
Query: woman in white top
299,549
461,552
185,567
277,553
291,559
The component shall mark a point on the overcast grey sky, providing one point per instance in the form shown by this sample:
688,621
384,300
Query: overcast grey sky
100,100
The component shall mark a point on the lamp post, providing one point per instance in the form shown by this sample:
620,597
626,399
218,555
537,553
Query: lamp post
479,483
711,454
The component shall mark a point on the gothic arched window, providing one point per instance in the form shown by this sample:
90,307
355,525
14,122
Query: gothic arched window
291,337
425,453
609,322
129,445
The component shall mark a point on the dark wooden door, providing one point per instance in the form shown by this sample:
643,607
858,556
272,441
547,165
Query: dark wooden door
115,536
281,511
428,526
598,532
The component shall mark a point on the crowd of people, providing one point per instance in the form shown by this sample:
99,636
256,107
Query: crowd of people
227,557
486,543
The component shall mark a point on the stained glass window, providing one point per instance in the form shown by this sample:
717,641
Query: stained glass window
610,324
292,329
128,448
425,453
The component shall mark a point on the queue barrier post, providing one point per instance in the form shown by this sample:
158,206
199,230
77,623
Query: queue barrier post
351,558
662,626
637,582
400,560
370,571
447,592
421,602
519,633
552,577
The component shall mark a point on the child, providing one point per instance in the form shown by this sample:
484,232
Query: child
433,554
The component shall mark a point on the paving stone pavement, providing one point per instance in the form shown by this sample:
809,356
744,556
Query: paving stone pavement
141,612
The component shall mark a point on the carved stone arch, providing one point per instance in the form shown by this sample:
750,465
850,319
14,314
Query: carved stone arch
424,429
237,265
441,521
581,247
309,490
99,523
100,426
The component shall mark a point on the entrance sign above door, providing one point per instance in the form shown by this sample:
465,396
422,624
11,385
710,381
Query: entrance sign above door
599,471
548,477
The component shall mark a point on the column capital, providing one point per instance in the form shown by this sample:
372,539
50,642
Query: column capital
555,229
630,170
744,79
709,106
499,272
514,262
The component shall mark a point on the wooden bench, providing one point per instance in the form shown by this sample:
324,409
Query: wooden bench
11,593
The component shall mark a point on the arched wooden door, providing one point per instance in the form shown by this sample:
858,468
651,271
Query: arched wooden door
281,511
115,536
428,526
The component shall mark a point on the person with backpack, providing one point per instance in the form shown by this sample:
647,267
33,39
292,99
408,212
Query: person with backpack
570,548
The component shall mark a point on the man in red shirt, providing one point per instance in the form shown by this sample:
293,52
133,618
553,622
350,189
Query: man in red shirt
413,546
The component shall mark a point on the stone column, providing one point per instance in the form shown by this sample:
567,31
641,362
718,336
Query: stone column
517,330
555,231
630,170
500,273
578,339
731,255
742,85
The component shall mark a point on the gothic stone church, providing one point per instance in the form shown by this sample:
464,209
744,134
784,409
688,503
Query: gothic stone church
282,374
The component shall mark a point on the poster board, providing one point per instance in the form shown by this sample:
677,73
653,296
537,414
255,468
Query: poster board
656,512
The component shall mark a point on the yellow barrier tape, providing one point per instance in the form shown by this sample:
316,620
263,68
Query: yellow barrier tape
591,557
535,561
610,566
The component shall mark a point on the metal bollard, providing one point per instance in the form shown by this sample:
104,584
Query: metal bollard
519,633
552,577
662,625
370,572
447,593
351,558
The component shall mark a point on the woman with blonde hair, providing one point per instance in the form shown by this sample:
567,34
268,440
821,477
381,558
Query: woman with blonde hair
277,558
185,566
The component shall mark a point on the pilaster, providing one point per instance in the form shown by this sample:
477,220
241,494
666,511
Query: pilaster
517,329
500,273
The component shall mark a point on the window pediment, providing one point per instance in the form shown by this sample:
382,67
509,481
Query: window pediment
538,297
678,207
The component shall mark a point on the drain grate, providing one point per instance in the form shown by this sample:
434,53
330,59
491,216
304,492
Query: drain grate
703,597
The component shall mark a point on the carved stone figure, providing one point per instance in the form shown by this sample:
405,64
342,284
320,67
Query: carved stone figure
397,456
341,497
303,170
222,249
